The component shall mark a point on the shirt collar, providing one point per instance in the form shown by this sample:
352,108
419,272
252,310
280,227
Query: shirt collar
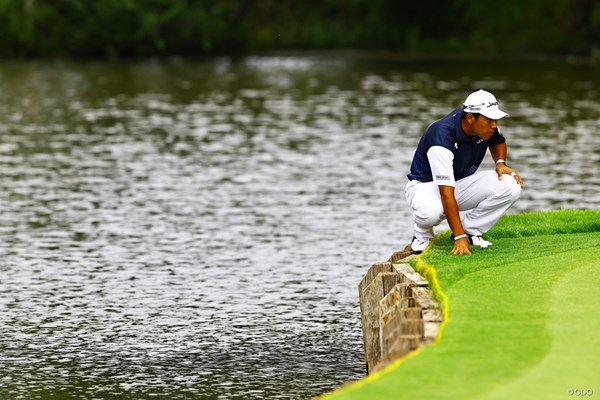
460,135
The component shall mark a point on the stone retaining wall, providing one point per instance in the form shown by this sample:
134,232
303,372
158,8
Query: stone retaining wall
399,312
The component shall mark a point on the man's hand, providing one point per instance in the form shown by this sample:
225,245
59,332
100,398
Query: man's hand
502,169
461,246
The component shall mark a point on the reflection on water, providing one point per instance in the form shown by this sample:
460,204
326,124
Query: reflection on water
198,229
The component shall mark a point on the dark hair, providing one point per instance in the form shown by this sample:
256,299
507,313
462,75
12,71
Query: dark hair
463,114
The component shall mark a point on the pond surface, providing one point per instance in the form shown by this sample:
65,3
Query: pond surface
197,230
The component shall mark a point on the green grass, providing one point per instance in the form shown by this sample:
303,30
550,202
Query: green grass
523,320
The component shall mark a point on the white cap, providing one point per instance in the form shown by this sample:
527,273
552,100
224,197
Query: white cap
483,103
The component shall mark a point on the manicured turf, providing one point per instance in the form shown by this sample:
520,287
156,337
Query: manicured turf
523,317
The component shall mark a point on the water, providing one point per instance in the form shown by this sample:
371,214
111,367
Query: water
197,230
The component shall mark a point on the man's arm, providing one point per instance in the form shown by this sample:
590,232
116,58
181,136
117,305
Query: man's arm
441,160
461,246
498,152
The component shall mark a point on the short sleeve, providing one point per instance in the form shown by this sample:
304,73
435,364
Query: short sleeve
441,161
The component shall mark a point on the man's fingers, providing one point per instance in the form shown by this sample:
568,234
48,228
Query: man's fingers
460,251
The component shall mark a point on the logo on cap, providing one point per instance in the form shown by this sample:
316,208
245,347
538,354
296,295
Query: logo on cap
473,107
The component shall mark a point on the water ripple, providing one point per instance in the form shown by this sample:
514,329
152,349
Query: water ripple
197,230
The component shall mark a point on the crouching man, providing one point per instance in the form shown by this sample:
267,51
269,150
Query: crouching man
444,179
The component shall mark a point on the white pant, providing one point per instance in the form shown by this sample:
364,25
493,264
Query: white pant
482,199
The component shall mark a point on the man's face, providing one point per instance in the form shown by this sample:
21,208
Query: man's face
484,127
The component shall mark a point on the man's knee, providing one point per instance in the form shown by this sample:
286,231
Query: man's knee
516,192
512,188
430,215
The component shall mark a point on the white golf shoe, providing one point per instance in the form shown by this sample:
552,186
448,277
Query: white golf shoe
417,246
479,241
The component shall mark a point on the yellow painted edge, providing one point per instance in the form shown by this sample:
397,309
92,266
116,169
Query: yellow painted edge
429,272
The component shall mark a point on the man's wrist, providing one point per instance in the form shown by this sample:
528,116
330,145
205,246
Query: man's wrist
501,160
464,235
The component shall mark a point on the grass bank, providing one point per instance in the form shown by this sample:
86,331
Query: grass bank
522,316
